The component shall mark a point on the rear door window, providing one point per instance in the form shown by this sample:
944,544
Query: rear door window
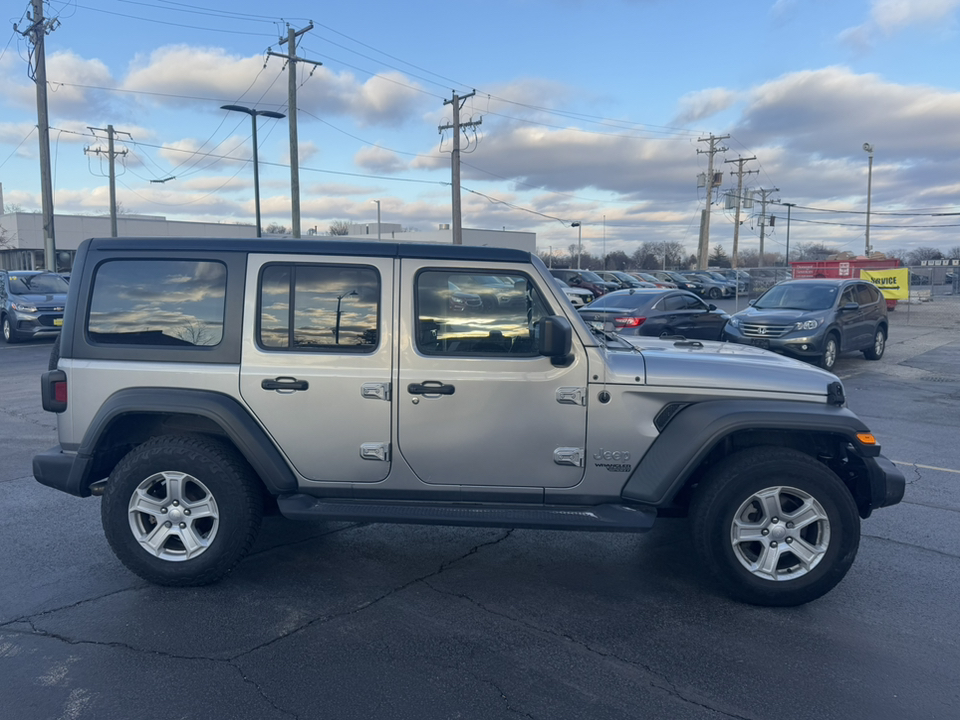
158,302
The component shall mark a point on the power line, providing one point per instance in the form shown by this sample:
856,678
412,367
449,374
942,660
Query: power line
173,24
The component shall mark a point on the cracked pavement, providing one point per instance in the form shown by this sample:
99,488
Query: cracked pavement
365,621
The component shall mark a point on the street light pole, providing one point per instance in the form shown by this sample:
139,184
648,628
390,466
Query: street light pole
790,207
378,218
336,331
256,162
868,148
579,241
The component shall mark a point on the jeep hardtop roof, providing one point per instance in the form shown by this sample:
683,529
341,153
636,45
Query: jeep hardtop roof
434,251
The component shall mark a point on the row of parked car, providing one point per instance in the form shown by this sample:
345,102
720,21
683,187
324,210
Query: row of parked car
814,320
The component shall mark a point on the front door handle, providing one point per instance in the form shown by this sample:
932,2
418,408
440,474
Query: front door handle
430,387
284,383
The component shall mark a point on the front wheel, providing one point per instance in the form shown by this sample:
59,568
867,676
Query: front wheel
875,351
9,334
181,510
714,293
775,526
830,351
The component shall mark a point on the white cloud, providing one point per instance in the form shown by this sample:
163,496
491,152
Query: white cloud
180,74
379,160
891,16
703,104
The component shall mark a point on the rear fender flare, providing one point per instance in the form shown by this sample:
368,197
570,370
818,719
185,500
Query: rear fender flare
233,419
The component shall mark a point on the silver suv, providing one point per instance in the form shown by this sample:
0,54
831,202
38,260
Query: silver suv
199,380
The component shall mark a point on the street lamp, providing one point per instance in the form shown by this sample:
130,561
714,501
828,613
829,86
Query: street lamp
867,147
790,206
336,331
256,164
579,241
378,218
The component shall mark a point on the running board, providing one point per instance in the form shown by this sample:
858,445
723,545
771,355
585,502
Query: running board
608,517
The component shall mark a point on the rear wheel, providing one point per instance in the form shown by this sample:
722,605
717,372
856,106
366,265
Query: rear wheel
875,351
181,510
775,526
714,293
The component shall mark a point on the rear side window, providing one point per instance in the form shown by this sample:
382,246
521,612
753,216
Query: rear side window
158,302
867,294
329,308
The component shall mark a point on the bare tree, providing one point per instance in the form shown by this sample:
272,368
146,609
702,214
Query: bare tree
339,227
276,229
914,257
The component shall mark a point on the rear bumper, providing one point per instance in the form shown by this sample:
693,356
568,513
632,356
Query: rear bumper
62,471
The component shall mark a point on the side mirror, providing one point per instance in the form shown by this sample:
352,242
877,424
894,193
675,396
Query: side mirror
850,306
711,307
555,339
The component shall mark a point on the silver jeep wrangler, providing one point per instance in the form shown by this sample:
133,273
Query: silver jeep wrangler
198,381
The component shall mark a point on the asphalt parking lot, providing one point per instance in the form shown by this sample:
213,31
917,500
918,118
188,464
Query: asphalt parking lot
379,621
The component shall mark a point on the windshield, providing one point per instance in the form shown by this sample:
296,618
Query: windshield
799,296
46,284
591,277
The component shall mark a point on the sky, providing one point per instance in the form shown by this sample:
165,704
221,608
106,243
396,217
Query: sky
590,111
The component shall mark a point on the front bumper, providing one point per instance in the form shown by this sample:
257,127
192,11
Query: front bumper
794,344
36,325
887,482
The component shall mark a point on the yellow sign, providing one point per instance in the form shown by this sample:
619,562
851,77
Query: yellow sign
894,284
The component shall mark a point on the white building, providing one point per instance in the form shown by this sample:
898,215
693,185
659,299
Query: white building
21,235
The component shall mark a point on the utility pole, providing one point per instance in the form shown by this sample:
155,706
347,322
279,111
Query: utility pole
704,250
35,33
457,103
111,156
292,60
740,172
764,195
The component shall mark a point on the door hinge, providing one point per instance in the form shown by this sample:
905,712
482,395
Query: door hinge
568,456
375,390
572,396
375,451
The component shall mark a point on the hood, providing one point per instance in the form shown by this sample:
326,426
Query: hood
777,316
41,298
730,366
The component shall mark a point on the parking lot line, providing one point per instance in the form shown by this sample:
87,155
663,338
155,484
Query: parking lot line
926,467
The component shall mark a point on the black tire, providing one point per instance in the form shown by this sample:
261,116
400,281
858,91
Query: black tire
54,359
875,351
732,490
10,335
831,350
225,495
714,293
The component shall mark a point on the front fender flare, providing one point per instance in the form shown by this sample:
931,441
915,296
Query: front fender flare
695,431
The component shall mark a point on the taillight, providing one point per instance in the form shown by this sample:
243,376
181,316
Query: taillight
53,391
628,321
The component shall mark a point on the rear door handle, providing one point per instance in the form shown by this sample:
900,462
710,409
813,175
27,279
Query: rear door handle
430,387
284,383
